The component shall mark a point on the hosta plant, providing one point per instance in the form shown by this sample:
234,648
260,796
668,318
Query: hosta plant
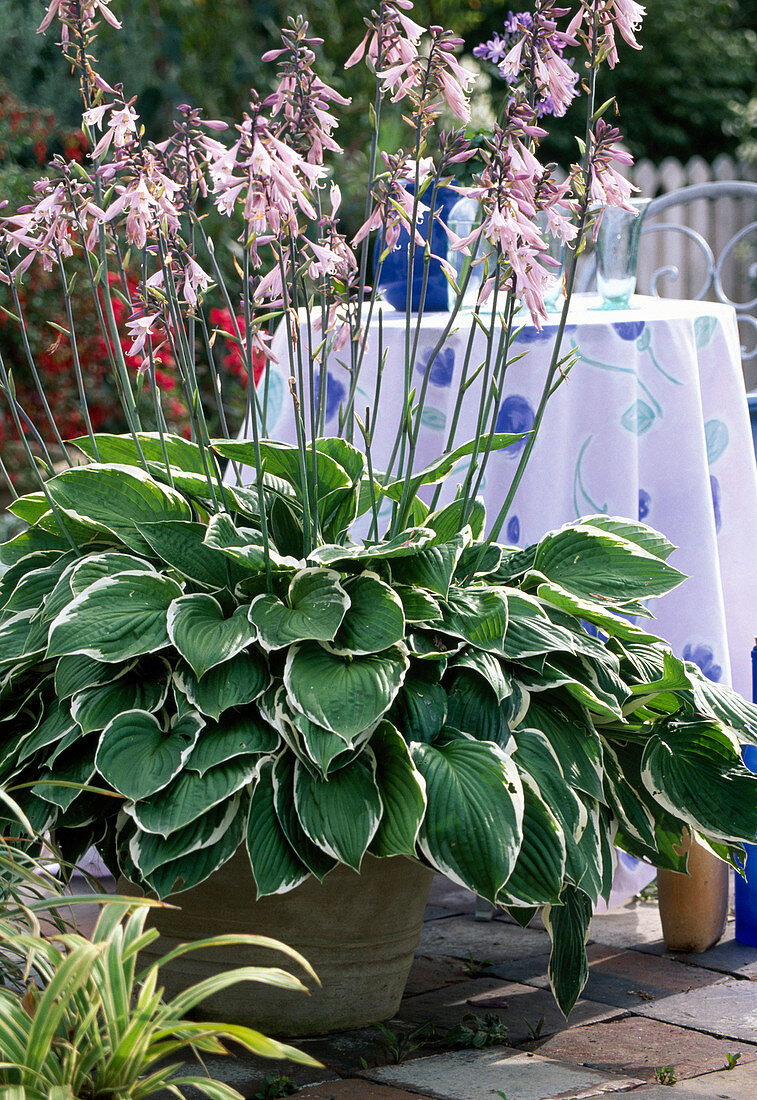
208,644
502,715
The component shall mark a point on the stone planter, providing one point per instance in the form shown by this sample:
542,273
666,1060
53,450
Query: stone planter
358,932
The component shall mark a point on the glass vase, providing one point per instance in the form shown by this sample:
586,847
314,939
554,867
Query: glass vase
617,251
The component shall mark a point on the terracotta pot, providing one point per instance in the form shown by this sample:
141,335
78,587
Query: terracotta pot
694,907
358,932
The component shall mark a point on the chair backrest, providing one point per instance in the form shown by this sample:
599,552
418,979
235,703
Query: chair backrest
701,242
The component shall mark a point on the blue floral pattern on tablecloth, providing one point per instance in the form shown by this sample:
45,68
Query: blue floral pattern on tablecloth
702,655
442,366
513,530
336,391
516,414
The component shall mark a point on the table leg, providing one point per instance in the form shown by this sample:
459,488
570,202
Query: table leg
694,907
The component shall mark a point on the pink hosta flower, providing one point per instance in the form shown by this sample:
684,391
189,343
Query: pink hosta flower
537,55
391,41
121,131
302,99
393,209
63,212
195,281
606,185
626,15
79,14
141,326
148,200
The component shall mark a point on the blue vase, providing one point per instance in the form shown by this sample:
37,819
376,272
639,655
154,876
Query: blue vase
745,901
393,275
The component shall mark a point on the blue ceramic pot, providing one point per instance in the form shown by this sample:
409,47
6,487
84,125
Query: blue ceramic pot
393,275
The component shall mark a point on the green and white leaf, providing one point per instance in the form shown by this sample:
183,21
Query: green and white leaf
432,568
344,694
116,498
242,734
243,545
231,684
478,615
189,795
150,850
96,566
568,926
472,830
315,606
374,619
576,745
539,870
340,814
203,636
403,794
276,867
403,545
138,757
144,689
530,631
180,544
116,618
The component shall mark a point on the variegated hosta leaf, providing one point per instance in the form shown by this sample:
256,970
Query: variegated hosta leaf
432,568
29,542
30,590
96,566
634,817
77,672
472,830
340,814
67,773
276,867
529,630
601,566
54,724
403,545
314,858
180,544
315,745
231,684
240,734
190,870
535,755
488,667
144,688
479,615
420,709
447,521
693,768
203,636
576,745
594,612
283,460
314,608
374,619
182,453
136,755
343,693
472,707
116,497
403,794
568,927
243,545
150,850
645,537
116,618
14,635
537,877
190,794
418,606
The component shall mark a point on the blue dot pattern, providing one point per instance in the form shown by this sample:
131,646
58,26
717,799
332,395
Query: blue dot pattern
516,414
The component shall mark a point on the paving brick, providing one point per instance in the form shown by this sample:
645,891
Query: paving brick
637,1046
629,979
532,970
464,938
356,1088
634,925
728,956
246,1074
349,1052
522,1009
448,895
482,1074
727,1008
732,1084
429,973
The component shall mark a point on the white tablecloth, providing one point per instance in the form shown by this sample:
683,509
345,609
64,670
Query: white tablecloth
651,423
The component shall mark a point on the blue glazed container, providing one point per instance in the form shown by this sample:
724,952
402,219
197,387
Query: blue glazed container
393,275
746,892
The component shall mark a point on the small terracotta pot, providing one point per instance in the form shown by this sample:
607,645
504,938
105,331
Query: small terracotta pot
694,907
358,932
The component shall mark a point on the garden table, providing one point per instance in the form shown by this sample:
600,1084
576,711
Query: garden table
651,422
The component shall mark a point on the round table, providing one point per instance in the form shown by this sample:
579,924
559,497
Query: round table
652,422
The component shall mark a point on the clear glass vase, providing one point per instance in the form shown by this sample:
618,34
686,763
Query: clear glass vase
617,251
